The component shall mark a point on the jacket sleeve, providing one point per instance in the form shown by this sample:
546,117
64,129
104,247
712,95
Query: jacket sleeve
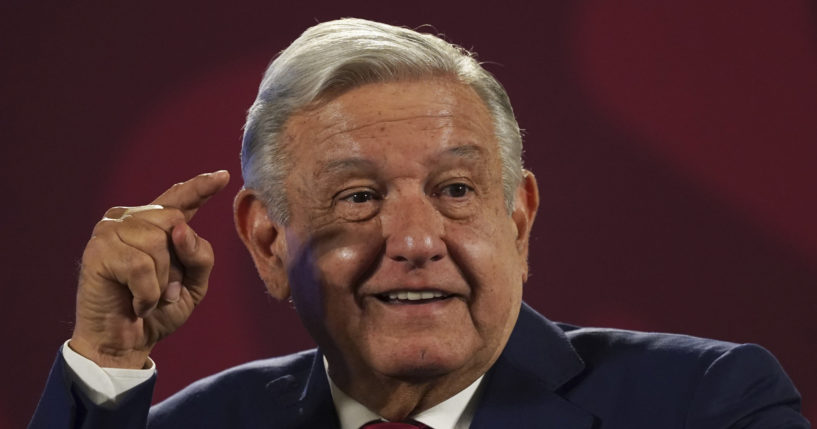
745,387
64,406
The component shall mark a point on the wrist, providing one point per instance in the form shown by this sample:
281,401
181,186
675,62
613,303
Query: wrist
110,357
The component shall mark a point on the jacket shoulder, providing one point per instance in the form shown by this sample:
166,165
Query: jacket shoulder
702,382
243,390
597,345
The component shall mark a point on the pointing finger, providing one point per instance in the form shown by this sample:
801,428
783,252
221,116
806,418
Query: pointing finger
190,195
119,212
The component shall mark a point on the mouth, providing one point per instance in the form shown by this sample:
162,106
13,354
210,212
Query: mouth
413,297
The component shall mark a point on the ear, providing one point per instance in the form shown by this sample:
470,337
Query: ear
265,240
526,202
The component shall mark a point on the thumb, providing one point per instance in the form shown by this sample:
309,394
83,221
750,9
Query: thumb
196,257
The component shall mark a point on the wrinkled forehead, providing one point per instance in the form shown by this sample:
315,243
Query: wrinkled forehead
438,112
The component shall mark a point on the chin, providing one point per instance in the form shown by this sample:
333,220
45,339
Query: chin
417,361
416,371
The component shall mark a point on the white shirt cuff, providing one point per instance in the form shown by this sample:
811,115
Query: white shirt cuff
104,386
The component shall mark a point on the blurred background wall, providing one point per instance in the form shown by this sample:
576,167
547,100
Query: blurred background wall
674,142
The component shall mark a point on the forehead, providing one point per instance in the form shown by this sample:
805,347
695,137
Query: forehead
433,115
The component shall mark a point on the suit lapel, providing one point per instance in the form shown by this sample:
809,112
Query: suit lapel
521,390
302,399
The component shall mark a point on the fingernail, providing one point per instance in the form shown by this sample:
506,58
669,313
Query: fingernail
173,291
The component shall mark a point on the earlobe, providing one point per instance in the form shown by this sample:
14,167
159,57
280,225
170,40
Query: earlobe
526,203
264,239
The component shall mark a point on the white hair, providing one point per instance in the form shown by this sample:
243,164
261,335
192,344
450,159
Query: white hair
333,57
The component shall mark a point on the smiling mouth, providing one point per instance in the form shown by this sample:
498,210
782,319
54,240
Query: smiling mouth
412,297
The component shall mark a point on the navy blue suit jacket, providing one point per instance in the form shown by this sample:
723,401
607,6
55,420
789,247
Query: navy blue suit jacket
549,376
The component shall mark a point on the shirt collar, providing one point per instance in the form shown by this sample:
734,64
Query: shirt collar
453,413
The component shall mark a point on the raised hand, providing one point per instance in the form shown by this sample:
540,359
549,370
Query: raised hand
143,271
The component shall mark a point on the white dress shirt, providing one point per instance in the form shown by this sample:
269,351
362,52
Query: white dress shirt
456,412
104,386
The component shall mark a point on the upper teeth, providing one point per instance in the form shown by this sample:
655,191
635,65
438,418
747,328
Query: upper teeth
414,296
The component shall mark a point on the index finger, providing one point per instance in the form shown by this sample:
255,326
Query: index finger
190,195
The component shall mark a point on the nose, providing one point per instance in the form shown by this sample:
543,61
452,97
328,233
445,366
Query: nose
413,229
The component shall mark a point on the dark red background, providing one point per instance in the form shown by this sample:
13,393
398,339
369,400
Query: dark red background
674,144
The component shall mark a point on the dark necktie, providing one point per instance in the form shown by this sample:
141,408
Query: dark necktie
377,424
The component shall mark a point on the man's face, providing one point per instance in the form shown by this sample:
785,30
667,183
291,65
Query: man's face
402,258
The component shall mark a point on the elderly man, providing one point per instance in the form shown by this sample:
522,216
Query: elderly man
384,194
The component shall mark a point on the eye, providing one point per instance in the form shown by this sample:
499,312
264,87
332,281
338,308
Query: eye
456,200
360,197
456,190
358,204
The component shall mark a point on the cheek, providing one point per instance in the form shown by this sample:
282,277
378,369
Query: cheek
346,255
490,262
333,262
486,248
303,282
325,273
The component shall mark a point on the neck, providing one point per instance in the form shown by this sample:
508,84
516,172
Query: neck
398,398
